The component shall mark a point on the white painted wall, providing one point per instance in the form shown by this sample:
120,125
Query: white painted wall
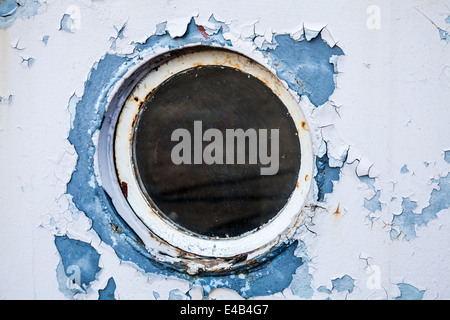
389,109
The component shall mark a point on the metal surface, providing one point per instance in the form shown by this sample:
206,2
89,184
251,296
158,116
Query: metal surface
166,241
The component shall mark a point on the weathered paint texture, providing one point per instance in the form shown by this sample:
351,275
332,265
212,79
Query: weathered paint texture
377,115
10,10
89,197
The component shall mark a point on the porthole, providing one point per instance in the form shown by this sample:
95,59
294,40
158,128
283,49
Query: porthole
208,157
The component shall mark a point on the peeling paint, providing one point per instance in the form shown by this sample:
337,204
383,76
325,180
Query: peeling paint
10,10
28,61
87,119
301,280
305,65
108,292
79,259
45,39
7,100
344,283
409,292
408,220
377,116
325,177
119,36
447,156
373,204
66,23
265,280
404,169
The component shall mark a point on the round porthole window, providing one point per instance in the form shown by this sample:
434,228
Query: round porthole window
207,157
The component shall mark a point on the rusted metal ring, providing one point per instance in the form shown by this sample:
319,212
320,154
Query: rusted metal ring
167,243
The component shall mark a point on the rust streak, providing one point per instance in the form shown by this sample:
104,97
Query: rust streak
114,227
124,187
203,32
337,212
303,123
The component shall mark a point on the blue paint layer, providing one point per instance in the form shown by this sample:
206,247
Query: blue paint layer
7,100
447,156
119,35
323,289
439,199
409,292
66,23
305,66
108,292
407,221
325,177
193,35
8,7
10,10
301,280
369,181
175,294
404,169
75,253
270,278
444,35
374,203
345,283
45,39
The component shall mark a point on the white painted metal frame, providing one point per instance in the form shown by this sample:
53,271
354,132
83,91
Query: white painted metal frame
169,232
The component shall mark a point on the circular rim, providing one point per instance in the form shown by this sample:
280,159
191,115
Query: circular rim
266,236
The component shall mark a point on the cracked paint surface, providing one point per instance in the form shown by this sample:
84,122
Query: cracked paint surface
95,203
407,221
380,209
10,10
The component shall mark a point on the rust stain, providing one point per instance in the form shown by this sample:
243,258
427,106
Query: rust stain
114,227
303,123
306,177
139,242
124,187
228,62
147,96
299,82
266,81
133,123
298,185
338,211
203,32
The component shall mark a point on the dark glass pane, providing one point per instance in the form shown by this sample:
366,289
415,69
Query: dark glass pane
220,200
